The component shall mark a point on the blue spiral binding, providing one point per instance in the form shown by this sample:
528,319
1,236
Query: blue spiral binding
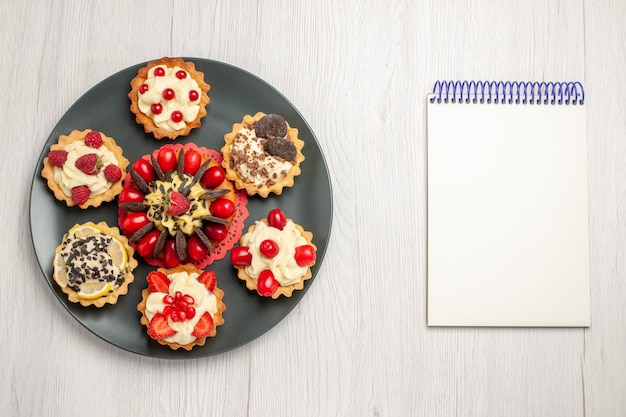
509,92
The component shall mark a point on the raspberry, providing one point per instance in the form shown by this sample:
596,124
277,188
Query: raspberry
80,194
112,173
93,139
57,158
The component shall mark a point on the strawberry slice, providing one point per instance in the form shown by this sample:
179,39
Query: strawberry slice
158,282
159,327
204,326
208,279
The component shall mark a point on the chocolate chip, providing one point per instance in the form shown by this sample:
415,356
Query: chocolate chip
282,148
271,126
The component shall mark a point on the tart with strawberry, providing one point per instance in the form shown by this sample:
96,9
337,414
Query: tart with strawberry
94,264
275,256
182,306
85,168
169,97
177,207
262,154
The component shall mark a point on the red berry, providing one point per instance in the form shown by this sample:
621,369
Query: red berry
57,158
204,326
193,95
181,75
134,221
93,139
159,72
177,204
170,257
143,88
213,177
146,245
276,218
177,116
144,169
130,195
112,173
196,250
208,279
192,162
168,94
268,248
222,207
240,256
156,108
80,194
159,327
305,255
166,159
88,164
266,284
215,231
158,282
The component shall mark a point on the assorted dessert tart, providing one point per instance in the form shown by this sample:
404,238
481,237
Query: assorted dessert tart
169,97
262,154
94,264
85,168
177,207
182,306
275,256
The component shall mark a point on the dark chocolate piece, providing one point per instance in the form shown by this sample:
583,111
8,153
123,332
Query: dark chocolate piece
271,126
281,148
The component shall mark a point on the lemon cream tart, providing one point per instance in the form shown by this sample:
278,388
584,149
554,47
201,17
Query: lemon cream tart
93,264
169,97
182,306
177,207
262,154
85,168
275,256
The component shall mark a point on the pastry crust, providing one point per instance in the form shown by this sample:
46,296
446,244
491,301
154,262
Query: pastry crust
48,170
111,297
218,318
287,290
146,121
251,188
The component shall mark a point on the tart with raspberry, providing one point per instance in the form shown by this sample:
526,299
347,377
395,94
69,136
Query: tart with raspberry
169,97
177,207
85,168
182,306
262,154
275,256
94,264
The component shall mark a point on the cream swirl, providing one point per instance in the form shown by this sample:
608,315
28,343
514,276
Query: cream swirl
284,267
69,176
181,86
253,164
204,301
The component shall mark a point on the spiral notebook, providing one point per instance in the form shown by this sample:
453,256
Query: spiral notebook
508,231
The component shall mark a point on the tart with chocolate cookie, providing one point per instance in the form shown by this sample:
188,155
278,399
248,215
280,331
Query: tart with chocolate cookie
262,154
178,207
169,97
94,264
275,256
85,168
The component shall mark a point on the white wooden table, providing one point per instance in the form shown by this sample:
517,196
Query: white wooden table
357,344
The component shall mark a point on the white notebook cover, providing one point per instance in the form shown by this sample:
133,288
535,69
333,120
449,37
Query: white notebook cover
508,238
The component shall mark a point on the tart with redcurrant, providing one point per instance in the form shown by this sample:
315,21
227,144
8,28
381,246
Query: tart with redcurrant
262,154
85,168
169,97
177,207
275,256
182,306
94,264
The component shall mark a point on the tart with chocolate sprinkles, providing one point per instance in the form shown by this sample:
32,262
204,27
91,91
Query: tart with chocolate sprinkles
262,154
178,207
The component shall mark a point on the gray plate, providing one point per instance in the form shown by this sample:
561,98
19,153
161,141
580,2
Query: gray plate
233,93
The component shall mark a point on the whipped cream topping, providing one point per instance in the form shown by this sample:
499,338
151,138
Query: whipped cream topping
252,163
181,101
284,267
186,222
69,176
87,261
204,301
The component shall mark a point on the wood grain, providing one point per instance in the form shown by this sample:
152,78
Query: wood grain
357,344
